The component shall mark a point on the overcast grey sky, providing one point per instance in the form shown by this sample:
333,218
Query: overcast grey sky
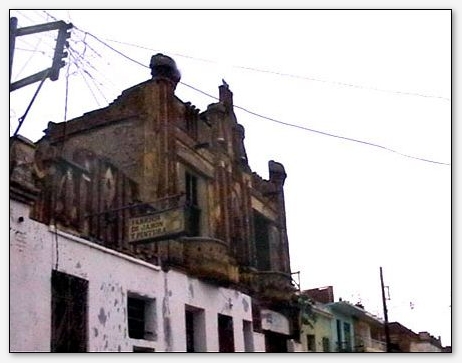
379,81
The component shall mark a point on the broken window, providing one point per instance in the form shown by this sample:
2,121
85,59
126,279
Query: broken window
68,313
141,318
225,333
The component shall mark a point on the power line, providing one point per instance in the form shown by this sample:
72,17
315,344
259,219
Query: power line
95,82
278,121
79,58
255,113
113,49
67,91
337,83
23,117
345,84
88,86
317,131
29,59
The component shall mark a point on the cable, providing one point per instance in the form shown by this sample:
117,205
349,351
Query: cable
113,49
23,117
35,51
29,59
88,86
81,60
317,131
95,83
345,84
67,92
281,122
81,67
269,118
253,69
157,50
86,44
49,15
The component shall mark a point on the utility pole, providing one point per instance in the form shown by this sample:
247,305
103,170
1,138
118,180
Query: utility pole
385,314
13,28
53,71
58,62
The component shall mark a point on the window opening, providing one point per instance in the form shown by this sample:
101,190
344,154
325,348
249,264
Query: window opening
141,318
225,333
68,313
192,203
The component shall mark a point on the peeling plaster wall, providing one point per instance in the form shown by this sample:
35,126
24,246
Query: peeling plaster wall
35,250
214,300
274,321
30,289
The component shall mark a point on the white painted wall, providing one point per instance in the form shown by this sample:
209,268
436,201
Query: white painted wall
35,250
274,321
30,289
259,342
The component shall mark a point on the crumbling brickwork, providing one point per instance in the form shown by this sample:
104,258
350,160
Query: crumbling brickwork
149,151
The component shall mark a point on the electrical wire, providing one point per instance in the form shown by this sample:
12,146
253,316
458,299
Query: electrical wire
278,121
88,86
84,62
115,50
95,83
23,117
33,50
29,59
249,111
319,132
254,69
67,92
345,84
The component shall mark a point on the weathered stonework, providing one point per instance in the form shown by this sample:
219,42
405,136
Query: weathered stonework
136,155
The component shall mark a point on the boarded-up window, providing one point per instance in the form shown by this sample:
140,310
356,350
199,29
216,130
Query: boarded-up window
68,313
